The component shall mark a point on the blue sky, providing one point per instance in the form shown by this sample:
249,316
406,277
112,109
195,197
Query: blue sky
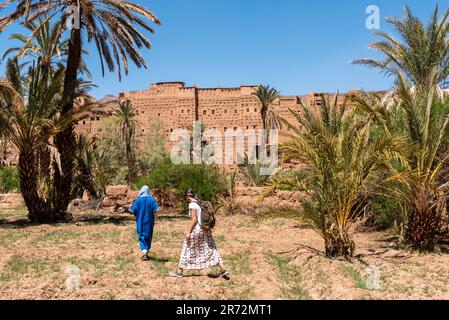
298,46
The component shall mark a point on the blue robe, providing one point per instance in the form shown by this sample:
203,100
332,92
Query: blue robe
144,209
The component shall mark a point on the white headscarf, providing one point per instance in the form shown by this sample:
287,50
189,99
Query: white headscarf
144,192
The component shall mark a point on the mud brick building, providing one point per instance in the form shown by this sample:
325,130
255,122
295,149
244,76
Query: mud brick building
173,106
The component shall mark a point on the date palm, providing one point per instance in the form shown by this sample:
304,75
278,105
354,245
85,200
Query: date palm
29,118
127,125
46,45
113,26
84,179
341,163
418,50
419,63
267,96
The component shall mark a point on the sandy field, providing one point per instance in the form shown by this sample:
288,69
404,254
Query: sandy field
275,259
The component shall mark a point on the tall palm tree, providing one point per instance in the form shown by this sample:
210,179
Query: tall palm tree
270,120
419,63
114,28
267,96
29,117
127,124
341,162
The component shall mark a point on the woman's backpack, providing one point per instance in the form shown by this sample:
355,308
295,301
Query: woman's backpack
208,219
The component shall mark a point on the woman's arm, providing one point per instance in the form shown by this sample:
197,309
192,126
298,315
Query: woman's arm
192,223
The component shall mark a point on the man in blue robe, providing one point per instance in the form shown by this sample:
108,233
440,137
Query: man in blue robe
144,209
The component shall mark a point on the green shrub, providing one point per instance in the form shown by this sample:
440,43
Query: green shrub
207,181
385,212
9,179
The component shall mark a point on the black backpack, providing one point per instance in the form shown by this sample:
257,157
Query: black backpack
208,219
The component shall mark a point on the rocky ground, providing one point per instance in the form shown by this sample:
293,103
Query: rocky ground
276,259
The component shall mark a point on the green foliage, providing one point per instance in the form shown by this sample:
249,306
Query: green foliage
290,276
252,173
150,153
283,180
267,96
341,162
385,212
127,125
228,203
207,181
153,148
94,171
416,113
9,179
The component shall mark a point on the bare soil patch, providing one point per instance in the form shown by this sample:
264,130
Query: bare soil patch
276,259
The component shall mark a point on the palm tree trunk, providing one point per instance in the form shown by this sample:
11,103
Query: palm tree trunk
131,163
38,210
87,180
65,141
338,246
196,107
425,218
265,137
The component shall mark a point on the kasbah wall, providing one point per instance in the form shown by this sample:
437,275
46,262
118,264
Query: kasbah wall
174,106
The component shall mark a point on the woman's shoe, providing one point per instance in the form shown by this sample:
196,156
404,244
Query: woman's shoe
223,273
145,257
176,274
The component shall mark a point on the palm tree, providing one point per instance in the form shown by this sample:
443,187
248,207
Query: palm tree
29,118
419,63
267,96
422,53
114,28
46,46
127,124
94,168
84,179
252,172
341,163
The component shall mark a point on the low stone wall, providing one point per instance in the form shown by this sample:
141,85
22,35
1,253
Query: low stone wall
122,195
11,200
250,199
253,201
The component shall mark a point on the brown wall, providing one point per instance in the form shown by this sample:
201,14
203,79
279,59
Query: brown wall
174,106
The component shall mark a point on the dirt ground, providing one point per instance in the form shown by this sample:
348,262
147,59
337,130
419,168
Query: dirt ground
276,259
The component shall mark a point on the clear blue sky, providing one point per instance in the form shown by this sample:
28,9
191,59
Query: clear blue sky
297,46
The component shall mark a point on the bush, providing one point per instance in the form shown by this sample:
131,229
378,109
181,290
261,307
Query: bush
9,179
207,181
385,212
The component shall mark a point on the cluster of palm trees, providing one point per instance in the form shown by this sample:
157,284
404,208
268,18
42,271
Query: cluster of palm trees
393,144
41,103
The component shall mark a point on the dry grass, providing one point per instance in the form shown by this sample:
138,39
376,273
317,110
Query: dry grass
272,260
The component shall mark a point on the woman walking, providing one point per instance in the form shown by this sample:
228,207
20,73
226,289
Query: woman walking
199,250
144,208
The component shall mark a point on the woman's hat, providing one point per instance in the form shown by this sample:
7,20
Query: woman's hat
190,193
